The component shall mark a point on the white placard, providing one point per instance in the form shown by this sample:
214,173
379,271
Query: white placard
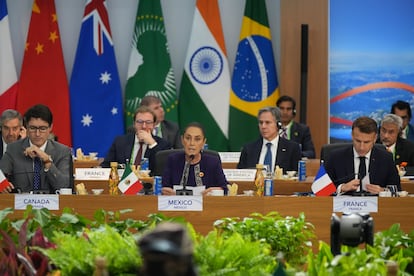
180,203
229,157
50,202
92,173
197,190
353,204
239,174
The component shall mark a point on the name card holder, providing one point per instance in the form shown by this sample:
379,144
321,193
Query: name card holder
239,174
352,204
229,157
21,201
92,173
180,203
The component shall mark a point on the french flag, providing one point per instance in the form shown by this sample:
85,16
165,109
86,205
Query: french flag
8,75
323,185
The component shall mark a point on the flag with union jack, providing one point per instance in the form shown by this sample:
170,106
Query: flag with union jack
95,88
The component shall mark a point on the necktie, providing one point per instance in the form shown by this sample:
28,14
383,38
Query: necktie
284,133
362,171
139,154
268,156
37,165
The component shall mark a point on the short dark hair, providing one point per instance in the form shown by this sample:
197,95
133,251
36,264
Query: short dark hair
402,105
365,125
145,109
197,125
286,98
39,111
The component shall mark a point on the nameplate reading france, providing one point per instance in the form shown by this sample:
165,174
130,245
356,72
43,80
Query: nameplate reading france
21,201
352,204
92,173
180,203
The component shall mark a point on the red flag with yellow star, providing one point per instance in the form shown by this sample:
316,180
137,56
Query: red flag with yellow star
43,77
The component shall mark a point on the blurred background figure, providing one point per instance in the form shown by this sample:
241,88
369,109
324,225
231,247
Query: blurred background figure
390,136
403,109
12,128
163,128
167,250
293,131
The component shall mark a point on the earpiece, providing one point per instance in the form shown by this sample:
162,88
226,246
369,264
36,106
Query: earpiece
279,124
294,112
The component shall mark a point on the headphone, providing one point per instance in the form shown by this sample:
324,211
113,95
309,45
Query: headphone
279,124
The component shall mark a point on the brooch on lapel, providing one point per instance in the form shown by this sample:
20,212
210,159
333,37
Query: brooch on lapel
200,174
296,134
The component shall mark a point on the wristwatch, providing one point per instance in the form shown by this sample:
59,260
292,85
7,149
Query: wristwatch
48,160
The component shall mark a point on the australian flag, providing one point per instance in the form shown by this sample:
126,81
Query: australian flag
95,88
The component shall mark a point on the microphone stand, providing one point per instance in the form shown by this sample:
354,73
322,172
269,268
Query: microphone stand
184,190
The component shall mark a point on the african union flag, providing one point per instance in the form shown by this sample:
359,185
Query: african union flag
254,83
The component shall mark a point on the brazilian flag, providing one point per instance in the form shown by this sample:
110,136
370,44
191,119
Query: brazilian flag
254,82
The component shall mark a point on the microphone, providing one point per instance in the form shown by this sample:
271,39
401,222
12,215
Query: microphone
184,178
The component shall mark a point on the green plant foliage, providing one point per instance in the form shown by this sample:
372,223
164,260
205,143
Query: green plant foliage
75,255
233,255
393,243
289,235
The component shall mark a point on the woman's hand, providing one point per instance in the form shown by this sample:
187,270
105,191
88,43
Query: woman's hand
167,191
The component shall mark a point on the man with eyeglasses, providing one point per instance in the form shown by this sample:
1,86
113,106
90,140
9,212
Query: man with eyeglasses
403,109
12,129
402,149
130,148
36,163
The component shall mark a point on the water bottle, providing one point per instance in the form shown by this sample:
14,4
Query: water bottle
268,184
302,170
144,164
157,185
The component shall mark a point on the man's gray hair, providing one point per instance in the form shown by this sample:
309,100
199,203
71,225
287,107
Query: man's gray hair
10,114
272,109
392,119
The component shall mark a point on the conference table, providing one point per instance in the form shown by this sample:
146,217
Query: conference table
317,210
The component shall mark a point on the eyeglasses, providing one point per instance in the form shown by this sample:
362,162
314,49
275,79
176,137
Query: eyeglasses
41,129
141,122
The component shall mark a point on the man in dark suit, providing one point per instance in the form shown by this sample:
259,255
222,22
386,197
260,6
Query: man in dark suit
284,153
37,163
401,149
11,123
163,128
130,148
294,131
403,109
345,166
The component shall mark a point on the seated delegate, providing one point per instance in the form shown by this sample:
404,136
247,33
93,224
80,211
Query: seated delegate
203,170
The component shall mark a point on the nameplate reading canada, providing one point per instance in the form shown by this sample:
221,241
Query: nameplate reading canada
352,204
92,173
239,174
180,203
21,201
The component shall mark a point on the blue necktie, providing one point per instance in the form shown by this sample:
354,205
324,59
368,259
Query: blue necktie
37,165
268,156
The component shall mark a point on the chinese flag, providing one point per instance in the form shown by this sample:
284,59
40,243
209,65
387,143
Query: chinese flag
43,77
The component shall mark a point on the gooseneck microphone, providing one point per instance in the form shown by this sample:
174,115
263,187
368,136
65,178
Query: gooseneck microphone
184,178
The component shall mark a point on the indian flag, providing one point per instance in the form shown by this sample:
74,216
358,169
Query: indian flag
8,75
254,83
205,87
129,184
